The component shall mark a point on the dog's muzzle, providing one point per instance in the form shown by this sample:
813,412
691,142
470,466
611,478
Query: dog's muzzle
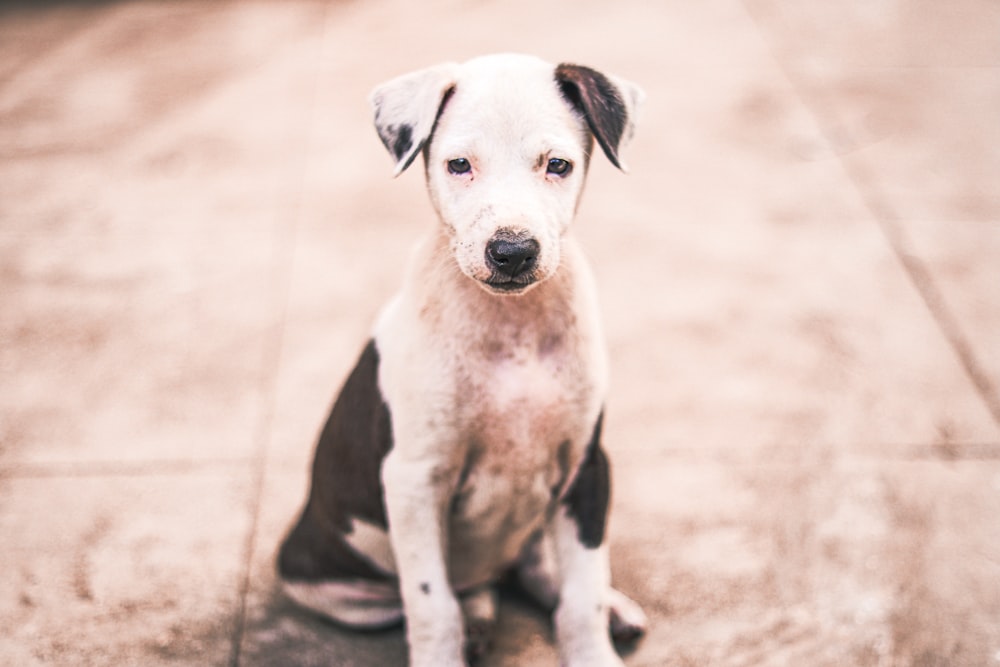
512,259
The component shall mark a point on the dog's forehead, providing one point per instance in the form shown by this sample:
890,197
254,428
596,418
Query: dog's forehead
490,71
512,95
507,81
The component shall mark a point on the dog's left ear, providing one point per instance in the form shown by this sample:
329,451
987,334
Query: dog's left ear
609,105
406,109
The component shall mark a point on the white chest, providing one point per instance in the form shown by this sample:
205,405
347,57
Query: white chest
525,425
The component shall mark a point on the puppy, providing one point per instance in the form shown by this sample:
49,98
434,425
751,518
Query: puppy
466,443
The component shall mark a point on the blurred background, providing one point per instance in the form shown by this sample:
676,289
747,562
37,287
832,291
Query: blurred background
800,280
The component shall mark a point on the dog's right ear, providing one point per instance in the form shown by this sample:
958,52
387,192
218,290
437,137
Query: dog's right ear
608,104
407,107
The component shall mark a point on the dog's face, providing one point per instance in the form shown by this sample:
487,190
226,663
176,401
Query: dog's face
507,142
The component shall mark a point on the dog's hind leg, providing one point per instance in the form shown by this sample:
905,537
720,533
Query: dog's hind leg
537,574
358,603
627,619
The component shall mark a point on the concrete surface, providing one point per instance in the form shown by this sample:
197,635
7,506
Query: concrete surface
800,278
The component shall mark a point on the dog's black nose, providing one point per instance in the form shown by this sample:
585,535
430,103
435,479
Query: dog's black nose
512,256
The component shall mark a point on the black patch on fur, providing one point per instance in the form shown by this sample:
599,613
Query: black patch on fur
587,499
600,102
346,482
425,588
398,139
403,141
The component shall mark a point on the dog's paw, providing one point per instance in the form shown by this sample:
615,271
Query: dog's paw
478,639
628,623
479,607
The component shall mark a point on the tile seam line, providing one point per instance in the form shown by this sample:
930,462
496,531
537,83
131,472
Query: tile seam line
915,452
267,394
112,468
285,253
916,271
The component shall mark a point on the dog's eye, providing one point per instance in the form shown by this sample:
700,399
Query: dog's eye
559,167
459,166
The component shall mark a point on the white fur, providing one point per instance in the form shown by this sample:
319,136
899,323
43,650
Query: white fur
514,377
372,541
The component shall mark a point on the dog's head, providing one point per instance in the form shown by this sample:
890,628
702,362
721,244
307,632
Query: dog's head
506,142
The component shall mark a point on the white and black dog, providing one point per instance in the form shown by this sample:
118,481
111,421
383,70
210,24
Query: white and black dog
466,443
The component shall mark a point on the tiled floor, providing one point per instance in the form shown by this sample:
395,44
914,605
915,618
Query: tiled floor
800,279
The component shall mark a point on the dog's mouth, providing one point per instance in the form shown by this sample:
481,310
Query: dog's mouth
504,285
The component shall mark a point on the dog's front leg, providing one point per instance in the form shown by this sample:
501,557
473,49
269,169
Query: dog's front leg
582,615
418,496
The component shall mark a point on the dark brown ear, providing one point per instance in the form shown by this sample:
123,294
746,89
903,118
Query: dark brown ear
608,104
